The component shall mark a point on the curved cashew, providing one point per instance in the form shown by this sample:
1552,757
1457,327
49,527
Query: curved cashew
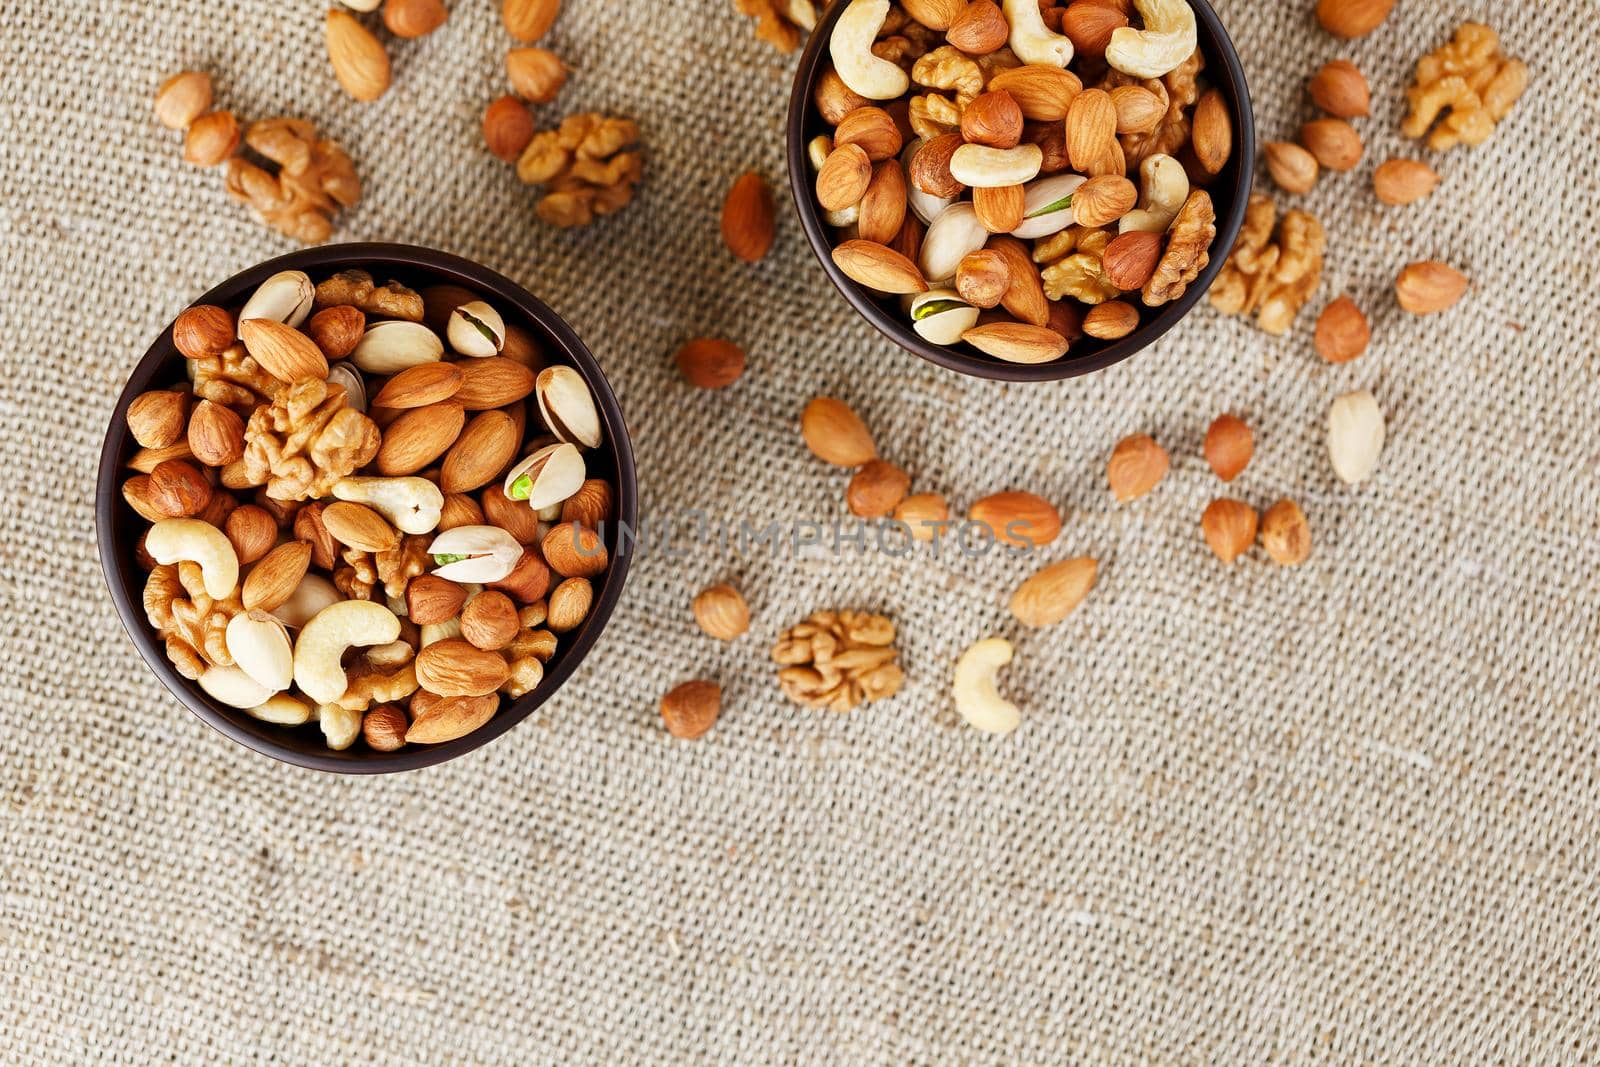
178,540
1047,206
233,687
983,167
941,316
259,645
1031,39
851,47
977,698
1168,38
1166,187
309,597
282,710
412,505
323,640
950,237
340,726
474,554
434,632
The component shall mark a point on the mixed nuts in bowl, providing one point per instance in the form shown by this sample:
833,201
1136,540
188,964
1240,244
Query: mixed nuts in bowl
1029,191
359,507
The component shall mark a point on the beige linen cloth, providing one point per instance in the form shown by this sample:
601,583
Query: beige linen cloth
1342,814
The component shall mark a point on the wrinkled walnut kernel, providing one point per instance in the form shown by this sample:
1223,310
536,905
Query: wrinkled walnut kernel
583,167
1188,251
233,379
780,23
306,440
357,289
192,624
314,179
1467,86
838,660
1271,279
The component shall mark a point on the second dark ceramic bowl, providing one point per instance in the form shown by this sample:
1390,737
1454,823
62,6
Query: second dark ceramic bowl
1230,192
118,527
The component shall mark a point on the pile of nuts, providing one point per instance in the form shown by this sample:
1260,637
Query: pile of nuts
358,516
311,177
1021,177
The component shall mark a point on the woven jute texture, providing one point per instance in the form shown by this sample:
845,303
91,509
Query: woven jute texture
1341,814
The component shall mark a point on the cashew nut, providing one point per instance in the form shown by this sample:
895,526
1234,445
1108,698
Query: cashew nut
434,632
977,698
412,505
259,645
340,726
1047,206
323,641
475,554
1169,37
1031,39
1166,187
233,687
309,597
983,167
941,316
178,540
282,710
950,238
851,47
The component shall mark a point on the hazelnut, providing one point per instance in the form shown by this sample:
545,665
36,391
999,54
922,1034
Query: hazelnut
590,505
877,489
183,98
1111,321
569,605
1229,527
384,728
930,166
211,139
721,612
1342,331
489,620
216,434
1285,533
337,330
507,128
203,332
1352,18
537,74
1129,261
1292,167
178,489
1089,24
431,599
1403,181
992,119
983,277
710,363
515,517
528,581
1334,142
252,530
157,418
980,29
1229,446
835,99
1340,89
309,527
690,710
460,510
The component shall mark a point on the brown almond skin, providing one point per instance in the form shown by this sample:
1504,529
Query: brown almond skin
449,718
157,418
274,579
459,510
252,531
721,612
873,130
1341,90
1137,466
1334,142
883,205
1430,287
1352,18
574,551
1024,296
1403,181
690,710
1018,518
1000,209
359,61
1229,527
454,668
494,381
419,386
710,362
1111,321
836,434
1212,134
1053,593
878,267
747,217
413,18
1292,167
1229,446
844,177
418,437
486,445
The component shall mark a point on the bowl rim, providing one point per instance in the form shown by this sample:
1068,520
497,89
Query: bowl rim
866,302
118,565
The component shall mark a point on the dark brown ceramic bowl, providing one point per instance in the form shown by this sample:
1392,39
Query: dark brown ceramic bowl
119,527
1230,191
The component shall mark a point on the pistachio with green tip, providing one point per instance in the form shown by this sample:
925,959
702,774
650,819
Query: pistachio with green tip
941,316
476,330
1047,206
547,477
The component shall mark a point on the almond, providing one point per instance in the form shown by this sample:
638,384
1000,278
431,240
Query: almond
1054,592
983,277
1229,446
384,728
1017,342
935,14
1352,18
178,490
358,58
283,351
1229,527
1111,321
1403,181
930,166
844,177
924,514
216,434
273,580
454,668
908,242
1091,128
1212,132
145,460
183,98
835,99
489,620
483,450
528,581
211,139
1024,296
413,18
337,330
252,531
872,130
1340,89
419,386
157,419
529,20
992,119
690,710
1130,259
747,222
981,28
1103,200
1285,534
1018,518
1292,167
1139,110
1000,208
203,332
431,599
493,382
590,506
835,434
1044,94
507,127
452,718
569,605
877,489
722,612
358,526
1342,331
878,267
1136,467
1089,24
1334,142
1429,288
883,206
460,510
574,551
418,437
710,362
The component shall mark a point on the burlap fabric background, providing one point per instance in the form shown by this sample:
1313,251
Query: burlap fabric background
1343,814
